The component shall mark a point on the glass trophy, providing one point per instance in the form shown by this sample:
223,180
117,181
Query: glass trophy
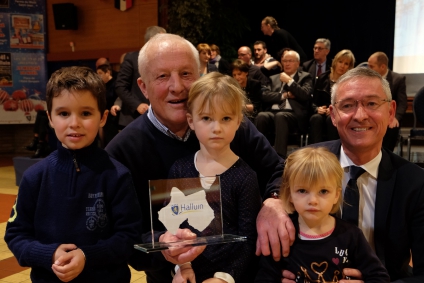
193,203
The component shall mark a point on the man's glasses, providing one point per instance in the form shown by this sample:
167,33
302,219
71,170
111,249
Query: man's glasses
348,106
288,61
318,48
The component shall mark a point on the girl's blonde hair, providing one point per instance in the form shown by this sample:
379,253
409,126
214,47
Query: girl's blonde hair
310,165
213,89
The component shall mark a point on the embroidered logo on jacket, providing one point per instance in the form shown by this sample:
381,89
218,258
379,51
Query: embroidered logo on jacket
97,217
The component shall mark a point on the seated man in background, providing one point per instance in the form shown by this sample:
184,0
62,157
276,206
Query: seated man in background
286,103
319,64
379,63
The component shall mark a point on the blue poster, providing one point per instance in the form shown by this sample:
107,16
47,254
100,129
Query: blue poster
23,71
22,92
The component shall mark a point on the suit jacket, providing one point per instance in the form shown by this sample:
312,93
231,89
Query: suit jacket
311,67
399,215
301,88
256,74
322,90
398,90
127,89
254,94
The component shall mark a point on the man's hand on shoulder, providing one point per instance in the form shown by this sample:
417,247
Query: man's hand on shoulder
275,229
354,276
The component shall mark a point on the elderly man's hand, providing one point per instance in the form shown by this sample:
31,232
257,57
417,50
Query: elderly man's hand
284,77
180,255
275,229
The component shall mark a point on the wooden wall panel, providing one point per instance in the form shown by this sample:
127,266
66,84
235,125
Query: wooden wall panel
103,30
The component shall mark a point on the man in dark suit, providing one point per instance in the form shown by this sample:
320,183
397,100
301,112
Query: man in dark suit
319,64
391,189
134,103
379,63
285,104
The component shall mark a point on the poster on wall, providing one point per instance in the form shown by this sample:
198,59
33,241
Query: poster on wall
25,97
26,31
23,71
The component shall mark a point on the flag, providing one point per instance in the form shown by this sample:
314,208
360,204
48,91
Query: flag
123,5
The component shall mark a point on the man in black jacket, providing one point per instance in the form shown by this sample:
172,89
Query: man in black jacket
134,103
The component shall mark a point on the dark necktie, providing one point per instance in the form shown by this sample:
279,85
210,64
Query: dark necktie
351,196
285,88
319,72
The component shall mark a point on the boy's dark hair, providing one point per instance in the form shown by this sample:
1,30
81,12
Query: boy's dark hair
105,68
239,64
76,79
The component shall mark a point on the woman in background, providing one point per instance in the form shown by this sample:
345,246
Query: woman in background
251,87
216,59
204,56
320,121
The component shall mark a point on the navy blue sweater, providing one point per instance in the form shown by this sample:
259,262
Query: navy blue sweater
96,209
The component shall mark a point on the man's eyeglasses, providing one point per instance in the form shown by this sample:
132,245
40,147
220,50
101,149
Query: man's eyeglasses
288,61
350,105
318,48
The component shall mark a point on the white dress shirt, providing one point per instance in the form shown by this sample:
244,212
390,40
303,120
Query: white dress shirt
367,185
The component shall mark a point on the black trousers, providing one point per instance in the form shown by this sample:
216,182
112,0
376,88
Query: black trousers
282,123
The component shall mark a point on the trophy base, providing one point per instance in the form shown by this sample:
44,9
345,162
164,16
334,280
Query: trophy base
200,241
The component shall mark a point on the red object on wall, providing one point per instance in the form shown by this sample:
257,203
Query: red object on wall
19,95
4,96
10,105
26,105
123,5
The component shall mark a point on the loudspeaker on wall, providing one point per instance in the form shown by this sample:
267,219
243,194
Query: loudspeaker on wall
65,16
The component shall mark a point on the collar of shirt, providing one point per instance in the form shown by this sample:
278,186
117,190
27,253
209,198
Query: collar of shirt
385,75
371,167
151,116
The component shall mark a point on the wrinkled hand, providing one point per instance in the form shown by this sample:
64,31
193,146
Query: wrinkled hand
114,110
394,123
63,249
284,77
184,274
69,266
288,277
180,255
354,274
274,226
142,108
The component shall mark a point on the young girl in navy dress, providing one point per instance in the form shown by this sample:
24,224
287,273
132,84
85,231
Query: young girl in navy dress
324,244
216,105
